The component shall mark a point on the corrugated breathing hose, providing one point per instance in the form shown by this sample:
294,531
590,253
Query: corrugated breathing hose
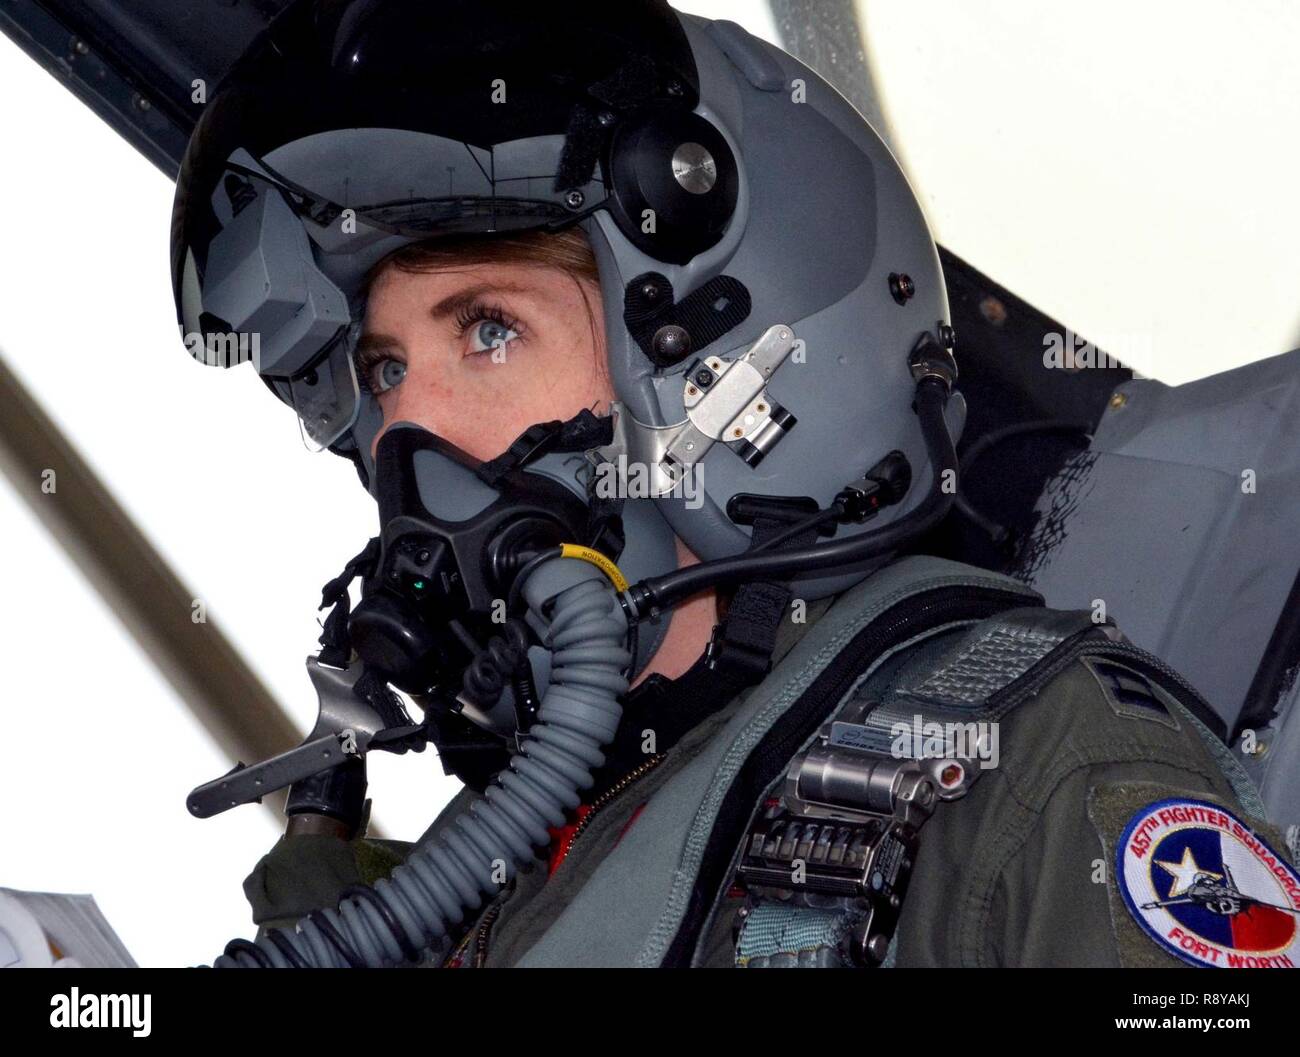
400,917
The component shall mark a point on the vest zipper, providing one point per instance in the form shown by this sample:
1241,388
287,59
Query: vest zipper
481,933
609,795
477,936
769,759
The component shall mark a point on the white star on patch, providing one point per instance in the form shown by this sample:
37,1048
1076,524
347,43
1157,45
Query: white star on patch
1185,873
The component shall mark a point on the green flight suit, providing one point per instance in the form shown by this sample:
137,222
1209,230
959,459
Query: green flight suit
1020,872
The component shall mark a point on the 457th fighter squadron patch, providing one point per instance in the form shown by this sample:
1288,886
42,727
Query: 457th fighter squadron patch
1207,888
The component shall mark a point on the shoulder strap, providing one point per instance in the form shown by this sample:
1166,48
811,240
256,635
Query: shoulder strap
974,670
901,709
742,645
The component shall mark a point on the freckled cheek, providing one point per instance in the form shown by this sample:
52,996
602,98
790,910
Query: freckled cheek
425,397
475,408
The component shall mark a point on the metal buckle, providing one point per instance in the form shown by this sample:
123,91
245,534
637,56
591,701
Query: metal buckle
847,825
725,402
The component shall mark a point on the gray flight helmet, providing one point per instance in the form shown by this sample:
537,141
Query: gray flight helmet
765,268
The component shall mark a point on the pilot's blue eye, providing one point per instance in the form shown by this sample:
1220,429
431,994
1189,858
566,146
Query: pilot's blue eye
490,334
391,373
386,374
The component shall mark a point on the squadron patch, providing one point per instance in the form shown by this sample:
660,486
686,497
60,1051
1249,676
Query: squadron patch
1207,888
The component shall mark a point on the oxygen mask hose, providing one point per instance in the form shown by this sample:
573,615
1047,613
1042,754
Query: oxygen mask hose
400,917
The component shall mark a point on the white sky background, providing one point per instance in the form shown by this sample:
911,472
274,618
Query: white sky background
100,752
1128,168
1128,183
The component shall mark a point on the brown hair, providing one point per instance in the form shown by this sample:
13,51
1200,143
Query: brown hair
567,250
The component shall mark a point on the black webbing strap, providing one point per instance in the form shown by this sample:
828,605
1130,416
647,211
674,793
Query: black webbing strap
336,643
580,433
744,641
742,644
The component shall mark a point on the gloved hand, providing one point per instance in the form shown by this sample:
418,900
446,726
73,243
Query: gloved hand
309,871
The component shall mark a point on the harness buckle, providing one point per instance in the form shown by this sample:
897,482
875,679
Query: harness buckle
844,833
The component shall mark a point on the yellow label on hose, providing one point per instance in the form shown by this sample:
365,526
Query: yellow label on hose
589,554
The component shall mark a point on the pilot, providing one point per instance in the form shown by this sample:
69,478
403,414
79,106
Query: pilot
718,713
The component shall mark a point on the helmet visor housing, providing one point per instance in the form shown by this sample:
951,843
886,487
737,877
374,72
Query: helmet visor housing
352,128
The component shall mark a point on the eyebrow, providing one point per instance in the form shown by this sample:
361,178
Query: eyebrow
450,305
463,299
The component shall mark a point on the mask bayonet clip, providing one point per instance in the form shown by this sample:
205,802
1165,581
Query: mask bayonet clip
725,403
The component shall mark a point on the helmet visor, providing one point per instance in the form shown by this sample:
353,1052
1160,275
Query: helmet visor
352,127
430,117
427,185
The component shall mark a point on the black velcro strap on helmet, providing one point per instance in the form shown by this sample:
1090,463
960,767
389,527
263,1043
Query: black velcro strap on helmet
705,314
583,140
632,84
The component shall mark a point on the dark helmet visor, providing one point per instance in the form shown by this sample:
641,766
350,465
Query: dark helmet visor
514,103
